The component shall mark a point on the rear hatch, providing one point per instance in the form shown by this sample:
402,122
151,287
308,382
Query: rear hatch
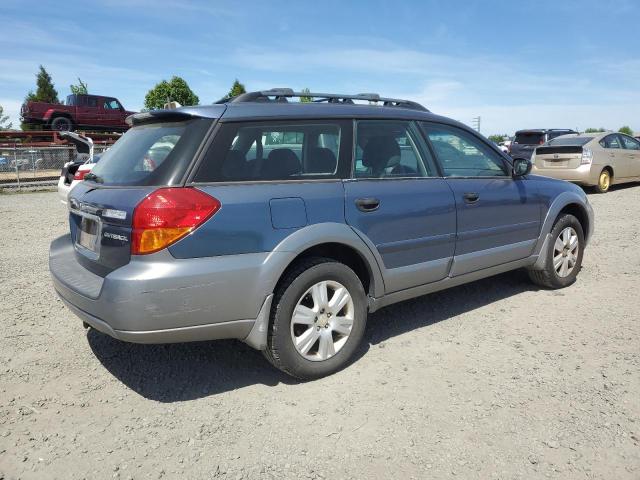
150,155
525,142
69,170
566,151
567,156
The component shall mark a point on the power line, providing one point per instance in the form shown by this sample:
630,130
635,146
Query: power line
475,123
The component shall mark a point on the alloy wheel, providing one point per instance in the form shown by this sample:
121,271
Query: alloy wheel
565,252
322,320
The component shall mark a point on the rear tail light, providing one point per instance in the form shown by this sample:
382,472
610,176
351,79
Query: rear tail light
79,175
587,156
167,215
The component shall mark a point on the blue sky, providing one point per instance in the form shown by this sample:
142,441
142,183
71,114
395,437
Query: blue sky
561,63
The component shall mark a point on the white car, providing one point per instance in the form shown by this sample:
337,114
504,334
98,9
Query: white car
504,146
75,170
72,174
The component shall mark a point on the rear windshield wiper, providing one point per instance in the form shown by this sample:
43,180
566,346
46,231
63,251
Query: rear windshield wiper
93,177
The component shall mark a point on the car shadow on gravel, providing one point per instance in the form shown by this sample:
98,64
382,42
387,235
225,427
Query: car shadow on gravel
621,186
427,310
186,371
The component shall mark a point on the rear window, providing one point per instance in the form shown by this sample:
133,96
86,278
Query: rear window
529,138
151,154
273,151
577,141
557,133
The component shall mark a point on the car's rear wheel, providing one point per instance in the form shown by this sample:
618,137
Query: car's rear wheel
318,318
604,181
62,124
563,256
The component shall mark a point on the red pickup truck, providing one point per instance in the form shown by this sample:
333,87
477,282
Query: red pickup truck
80,111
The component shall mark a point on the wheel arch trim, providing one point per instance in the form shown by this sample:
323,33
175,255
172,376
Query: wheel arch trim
327,233
561,202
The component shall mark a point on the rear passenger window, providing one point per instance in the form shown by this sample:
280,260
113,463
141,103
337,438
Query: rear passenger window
611,141
389,149
269,151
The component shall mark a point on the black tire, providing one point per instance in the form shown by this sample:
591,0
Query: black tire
281,351
62,124
548,277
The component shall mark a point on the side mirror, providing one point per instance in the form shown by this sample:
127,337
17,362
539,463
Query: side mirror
521,167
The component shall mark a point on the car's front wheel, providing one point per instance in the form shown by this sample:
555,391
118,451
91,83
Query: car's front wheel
563,256
318,318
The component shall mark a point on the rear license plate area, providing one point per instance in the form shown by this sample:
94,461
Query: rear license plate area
88,234
556,163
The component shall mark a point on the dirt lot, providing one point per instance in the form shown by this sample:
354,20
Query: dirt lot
28,175
496,379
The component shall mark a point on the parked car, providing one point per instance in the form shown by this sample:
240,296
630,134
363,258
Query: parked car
590,159
526,141
287,223
81,111
74,171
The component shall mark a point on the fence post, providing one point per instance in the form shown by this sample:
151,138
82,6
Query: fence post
15,162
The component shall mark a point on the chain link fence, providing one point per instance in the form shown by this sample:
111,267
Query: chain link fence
29,164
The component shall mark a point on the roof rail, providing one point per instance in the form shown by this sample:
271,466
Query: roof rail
282,94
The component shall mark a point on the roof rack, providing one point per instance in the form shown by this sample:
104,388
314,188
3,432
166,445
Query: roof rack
282,94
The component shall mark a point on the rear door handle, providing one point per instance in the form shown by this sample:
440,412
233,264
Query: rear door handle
367,204
471,197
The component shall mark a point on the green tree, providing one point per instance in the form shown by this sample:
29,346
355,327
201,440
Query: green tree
175,90
626,130
497,138
80,89
236,89
45,90
594,130
305,98
3,120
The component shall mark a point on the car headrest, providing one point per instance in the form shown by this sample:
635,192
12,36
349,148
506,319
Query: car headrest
281,163
321,160
381,152
234,165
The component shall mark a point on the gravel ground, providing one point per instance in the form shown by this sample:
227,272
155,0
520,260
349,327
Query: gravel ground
495,379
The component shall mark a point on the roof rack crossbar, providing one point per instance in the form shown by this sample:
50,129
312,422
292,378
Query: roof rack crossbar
282,94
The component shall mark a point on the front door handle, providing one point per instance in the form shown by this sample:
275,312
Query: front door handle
471,197
367,204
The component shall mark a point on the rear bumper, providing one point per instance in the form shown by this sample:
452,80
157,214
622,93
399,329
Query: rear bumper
582,175
160,299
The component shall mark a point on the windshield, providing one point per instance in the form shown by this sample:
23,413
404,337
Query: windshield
151,154
574,141
529,138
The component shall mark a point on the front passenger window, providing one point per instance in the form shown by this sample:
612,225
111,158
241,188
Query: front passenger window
630,143
389,149
463,155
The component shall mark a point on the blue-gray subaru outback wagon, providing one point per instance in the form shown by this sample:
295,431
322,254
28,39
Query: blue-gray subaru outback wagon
283,223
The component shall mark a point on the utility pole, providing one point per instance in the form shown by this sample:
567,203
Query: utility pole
475,123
